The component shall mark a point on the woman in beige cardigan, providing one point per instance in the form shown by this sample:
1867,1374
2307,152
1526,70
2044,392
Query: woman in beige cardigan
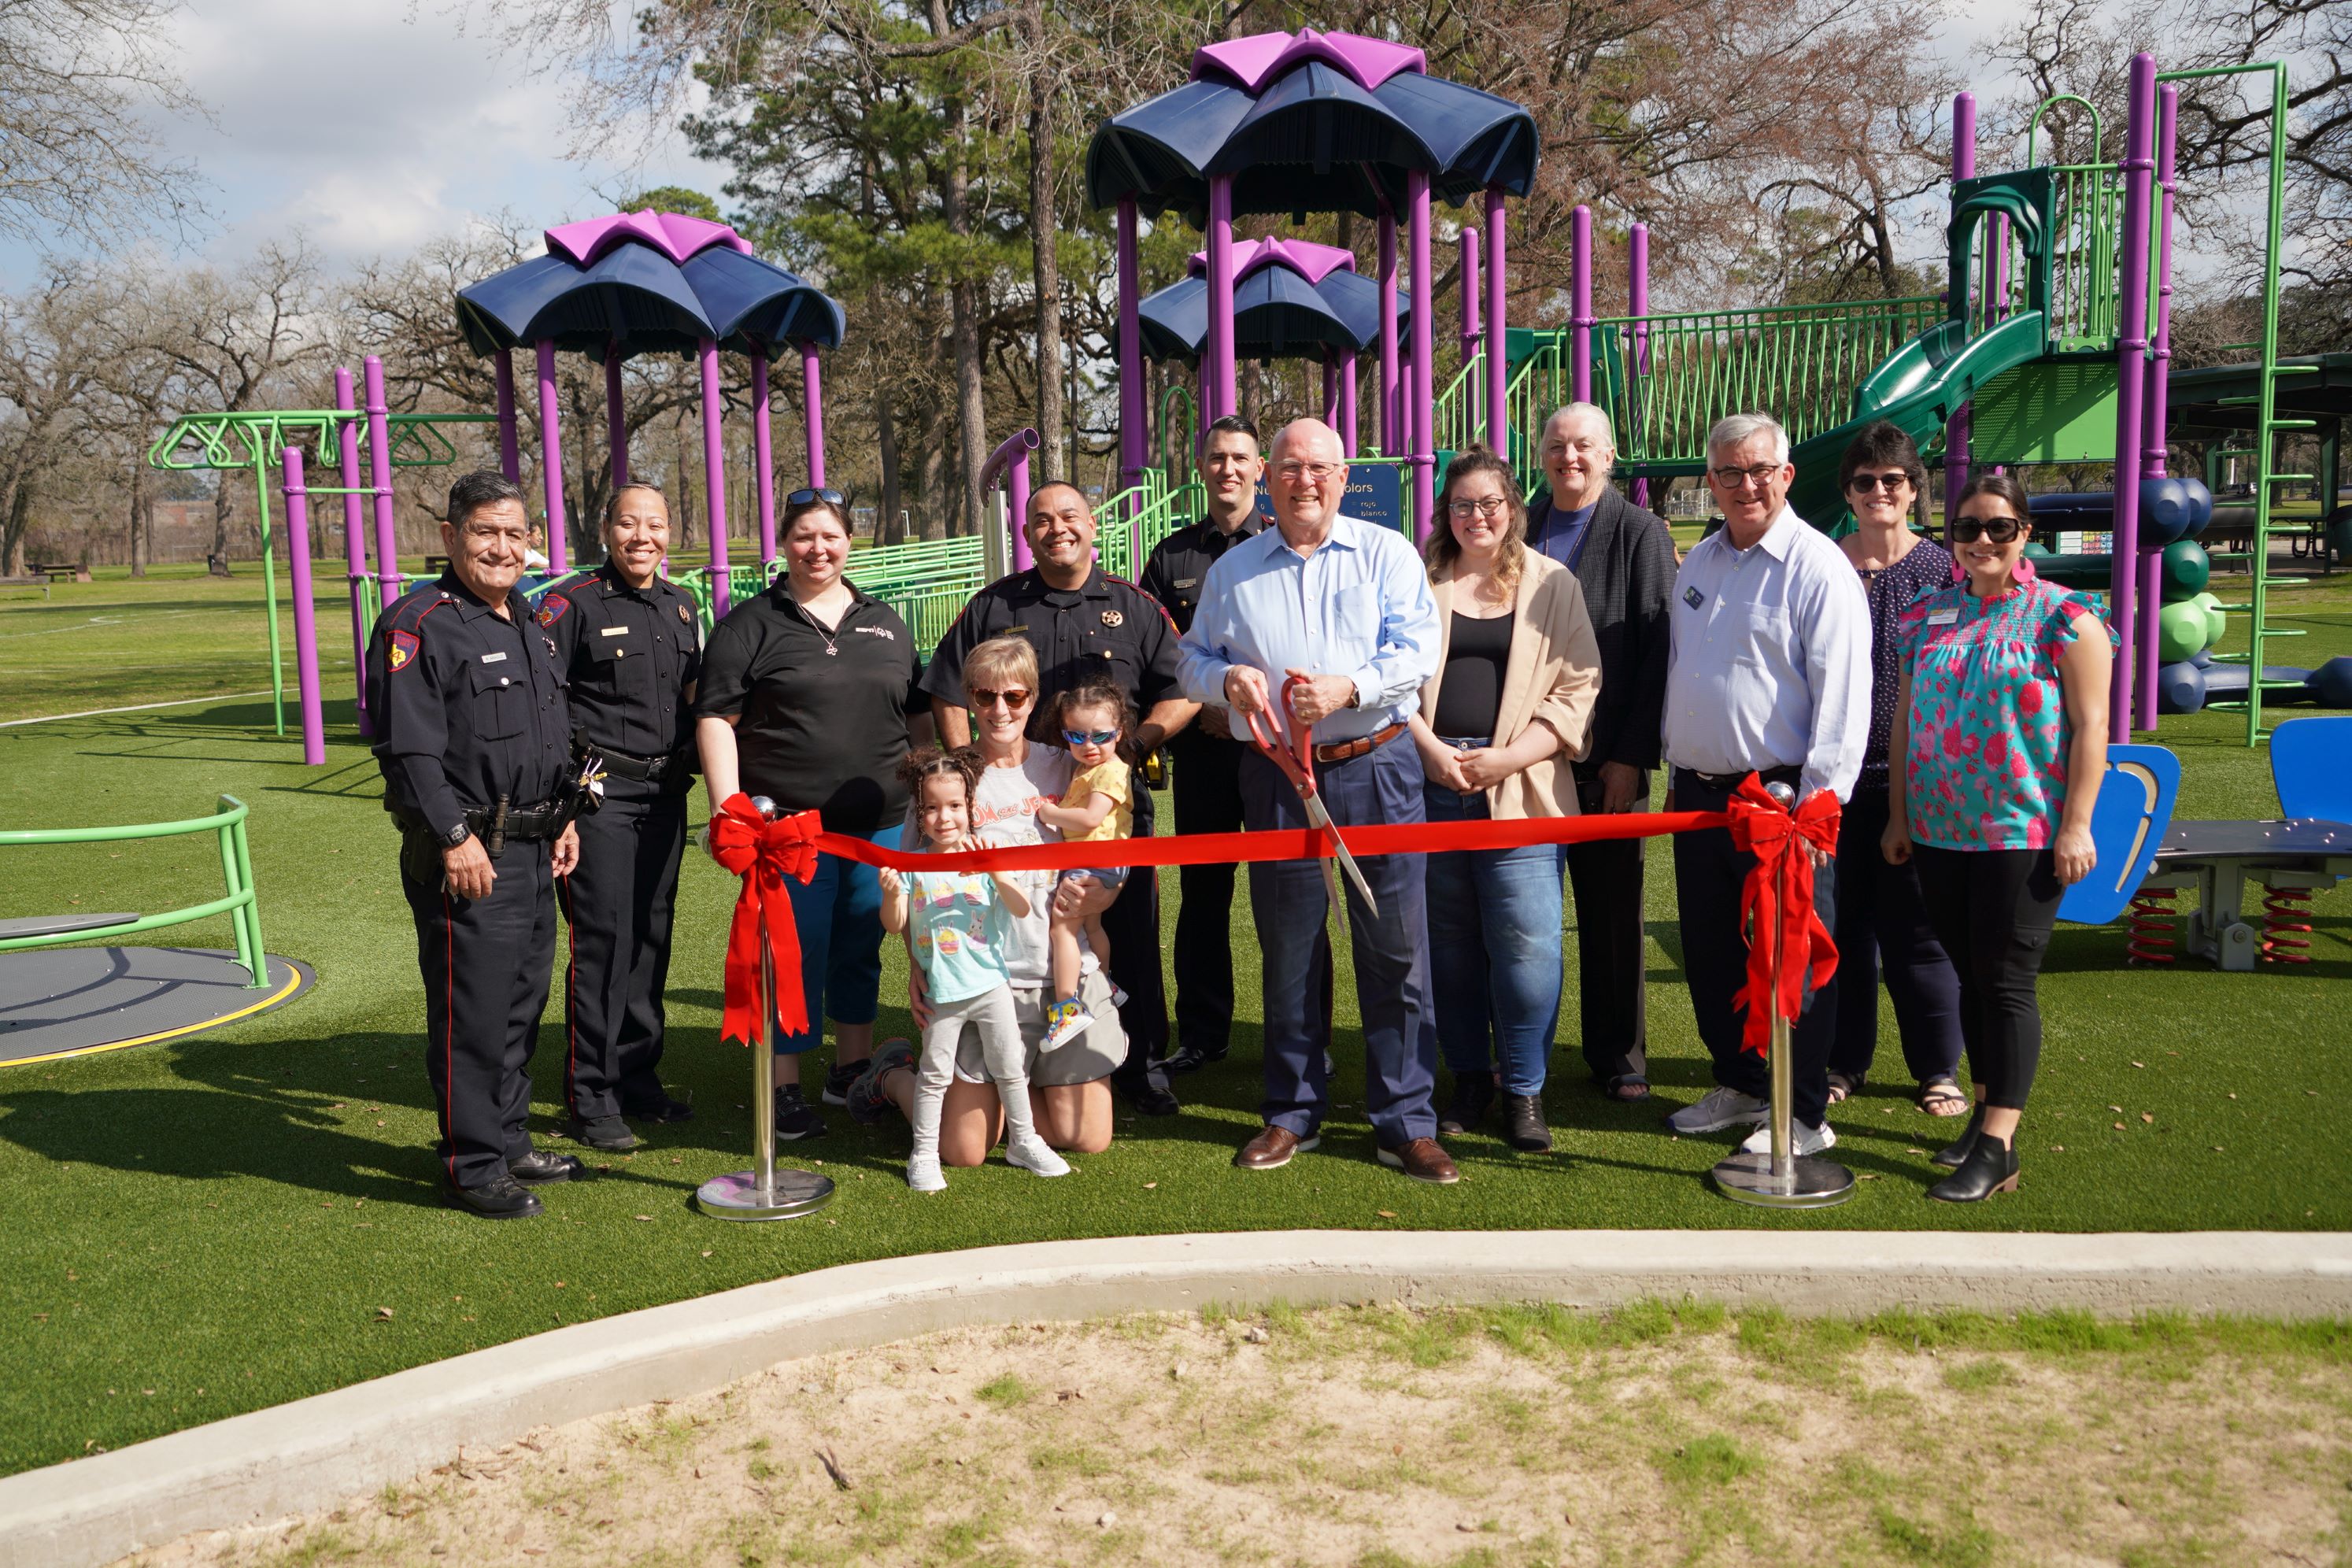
1508,710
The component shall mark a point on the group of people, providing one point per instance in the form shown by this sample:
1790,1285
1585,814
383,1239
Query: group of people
1530,661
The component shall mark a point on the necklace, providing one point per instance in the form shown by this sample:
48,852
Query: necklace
832,646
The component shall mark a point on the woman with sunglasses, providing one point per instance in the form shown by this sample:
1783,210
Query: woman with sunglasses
1507,713
1882,920
1999,741
808,696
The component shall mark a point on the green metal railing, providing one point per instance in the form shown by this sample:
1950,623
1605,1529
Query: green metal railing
226,824
1130,525
1537,387
2086,220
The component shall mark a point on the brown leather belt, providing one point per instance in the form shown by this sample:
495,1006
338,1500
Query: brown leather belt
1348,751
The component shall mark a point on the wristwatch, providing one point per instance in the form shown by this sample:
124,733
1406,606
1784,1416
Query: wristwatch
1355,697
457,836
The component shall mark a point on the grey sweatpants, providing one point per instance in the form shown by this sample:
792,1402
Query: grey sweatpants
990,1013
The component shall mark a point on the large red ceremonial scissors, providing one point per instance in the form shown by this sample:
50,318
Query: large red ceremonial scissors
1296,761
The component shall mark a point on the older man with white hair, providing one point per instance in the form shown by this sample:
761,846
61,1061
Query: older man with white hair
1624,558
1339,611
1770,675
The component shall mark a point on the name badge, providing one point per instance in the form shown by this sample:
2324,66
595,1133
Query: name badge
1188,582
1693,597
492,658
1944,617
615,631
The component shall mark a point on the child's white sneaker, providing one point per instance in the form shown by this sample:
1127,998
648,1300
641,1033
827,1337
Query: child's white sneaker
1033,1153
923,1173
1064,1021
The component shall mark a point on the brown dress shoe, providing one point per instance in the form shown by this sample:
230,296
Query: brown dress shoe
1272,1149
1424,1160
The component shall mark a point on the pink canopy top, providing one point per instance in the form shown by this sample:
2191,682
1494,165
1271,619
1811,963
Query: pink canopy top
1311,261
675,235
1253,61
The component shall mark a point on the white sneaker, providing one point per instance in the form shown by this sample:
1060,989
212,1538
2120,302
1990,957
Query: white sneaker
1721,1108
923,1173
1802,1139
1036,1155
1065,1022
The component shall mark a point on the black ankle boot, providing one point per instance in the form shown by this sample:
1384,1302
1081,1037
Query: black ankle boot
1474,1092
1991,1167
1955,1154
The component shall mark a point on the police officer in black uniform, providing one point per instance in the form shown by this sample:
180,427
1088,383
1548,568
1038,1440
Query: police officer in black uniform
475,740
1084,623
630,646
1205,756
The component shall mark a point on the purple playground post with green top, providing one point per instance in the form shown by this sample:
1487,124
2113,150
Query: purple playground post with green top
355,566
379,423
2131,393
2152,457
306,617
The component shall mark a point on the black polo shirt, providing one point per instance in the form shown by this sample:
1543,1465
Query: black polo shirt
821,717
1105,626
1176,567
631,654
468,706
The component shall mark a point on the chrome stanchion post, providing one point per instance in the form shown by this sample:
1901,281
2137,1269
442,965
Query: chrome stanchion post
1781,1178
763,1192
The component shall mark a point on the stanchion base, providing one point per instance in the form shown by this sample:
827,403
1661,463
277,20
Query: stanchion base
736,1195
1810,1183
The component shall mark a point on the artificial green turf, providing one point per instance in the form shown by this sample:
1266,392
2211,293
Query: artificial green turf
220,1221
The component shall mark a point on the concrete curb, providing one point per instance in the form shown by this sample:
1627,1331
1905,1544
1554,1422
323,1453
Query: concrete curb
297,1458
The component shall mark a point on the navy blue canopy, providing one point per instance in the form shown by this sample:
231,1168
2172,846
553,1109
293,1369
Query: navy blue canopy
1310,123
645,282
1279,311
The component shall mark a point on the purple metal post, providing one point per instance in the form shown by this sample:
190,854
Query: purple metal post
2152,454
1348,403
1423,408
1222,389
550,456
763,484
1390,443
1499,337
1132,392
1637,305
714,473
1470,332
1955,428
1579,329
1016,503
616,420
510,448
306,624
355,566
813,410
2131,392
379,422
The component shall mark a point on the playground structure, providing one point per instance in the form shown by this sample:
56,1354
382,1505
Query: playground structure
68,999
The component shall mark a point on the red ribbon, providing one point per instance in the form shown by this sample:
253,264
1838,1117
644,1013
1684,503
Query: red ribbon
763,853
1778,897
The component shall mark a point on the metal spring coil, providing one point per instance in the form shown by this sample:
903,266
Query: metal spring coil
2287,925
2151,926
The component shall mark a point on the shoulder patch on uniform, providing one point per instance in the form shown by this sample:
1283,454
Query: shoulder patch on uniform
685,614
551,609
403,648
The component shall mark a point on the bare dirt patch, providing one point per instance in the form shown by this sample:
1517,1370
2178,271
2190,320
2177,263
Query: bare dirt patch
1380,1438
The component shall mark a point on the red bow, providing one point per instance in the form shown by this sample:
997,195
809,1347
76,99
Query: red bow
1779,896
763,853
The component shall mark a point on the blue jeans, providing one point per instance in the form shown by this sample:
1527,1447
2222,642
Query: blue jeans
1494,951
839,914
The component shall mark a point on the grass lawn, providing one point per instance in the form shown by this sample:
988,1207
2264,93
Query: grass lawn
210,1226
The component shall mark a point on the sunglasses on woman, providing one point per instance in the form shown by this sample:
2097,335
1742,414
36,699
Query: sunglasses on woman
1011,697
810,498
1863,484
1089,737
1999,529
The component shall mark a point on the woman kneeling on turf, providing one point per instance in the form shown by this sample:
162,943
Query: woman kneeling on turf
956,932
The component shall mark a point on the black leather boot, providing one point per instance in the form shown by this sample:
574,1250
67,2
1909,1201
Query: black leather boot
1953,1155
1991,1167
1523,1123
1473,1093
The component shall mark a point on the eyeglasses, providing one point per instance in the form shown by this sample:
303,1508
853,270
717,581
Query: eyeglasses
1089,737
1319,473
1485,506
1967,530
1760,476
1863,484
1011,697
810,498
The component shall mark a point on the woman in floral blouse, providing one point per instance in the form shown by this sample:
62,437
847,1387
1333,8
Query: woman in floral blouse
1999,745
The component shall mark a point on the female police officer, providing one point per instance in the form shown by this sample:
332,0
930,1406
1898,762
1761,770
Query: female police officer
631,644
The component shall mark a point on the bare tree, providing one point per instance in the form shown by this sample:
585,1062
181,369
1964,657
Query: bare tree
76,156
52,343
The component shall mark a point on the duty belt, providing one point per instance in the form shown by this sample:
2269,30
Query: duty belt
544,820
645,770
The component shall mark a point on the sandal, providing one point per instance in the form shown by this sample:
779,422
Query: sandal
1627,1088
1843,1086
1943,1096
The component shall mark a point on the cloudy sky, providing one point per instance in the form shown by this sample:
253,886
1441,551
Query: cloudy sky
372,125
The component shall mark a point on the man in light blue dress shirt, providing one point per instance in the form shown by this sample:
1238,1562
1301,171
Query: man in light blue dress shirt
1347,605
1770,674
